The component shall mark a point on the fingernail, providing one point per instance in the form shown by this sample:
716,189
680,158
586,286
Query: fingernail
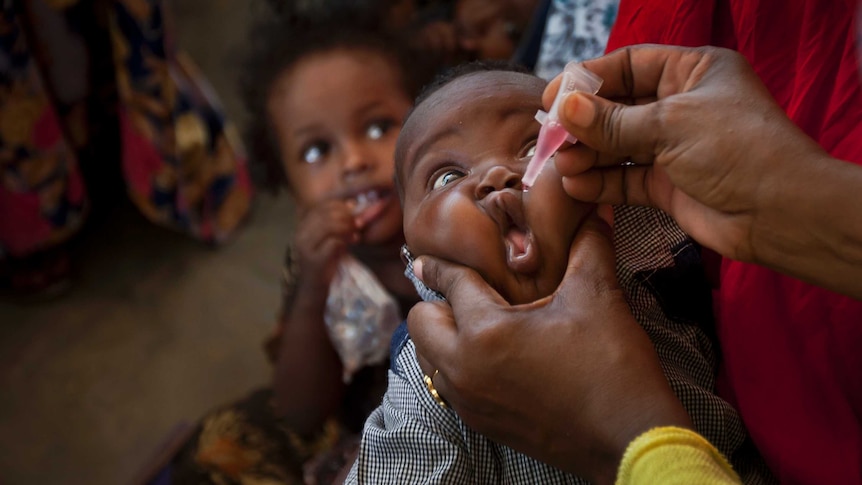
417,268
579,110
606,213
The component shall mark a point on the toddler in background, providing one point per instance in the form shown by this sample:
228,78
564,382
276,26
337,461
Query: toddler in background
328,97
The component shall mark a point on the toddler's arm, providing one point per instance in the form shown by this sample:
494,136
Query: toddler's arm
307,383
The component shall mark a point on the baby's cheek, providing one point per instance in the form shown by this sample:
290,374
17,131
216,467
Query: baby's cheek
423,233
431,233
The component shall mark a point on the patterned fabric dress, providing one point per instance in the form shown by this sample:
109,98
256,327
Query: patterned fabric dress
575,30
95,100
246,443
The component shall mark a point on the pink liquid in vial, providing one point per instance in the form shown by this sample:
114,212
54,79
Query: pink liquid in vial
551,137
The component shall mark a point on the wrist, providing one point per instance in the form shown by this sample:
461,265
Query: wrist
808,230
663,410
650,403
780,228
300,287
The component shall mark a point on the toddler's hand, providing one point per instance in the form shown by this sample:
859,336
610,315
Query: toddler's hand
324,233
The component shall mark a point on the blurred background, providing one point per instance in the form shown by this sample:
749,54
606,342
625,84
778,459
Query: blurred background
117,335
156,327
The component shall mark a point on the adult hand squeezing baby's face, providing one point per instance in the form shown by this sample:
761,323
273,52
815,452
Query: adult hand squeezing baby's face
569,379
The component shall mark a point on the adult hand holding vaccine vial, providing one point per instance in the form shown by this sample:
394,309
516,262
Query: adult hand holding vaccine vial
552,134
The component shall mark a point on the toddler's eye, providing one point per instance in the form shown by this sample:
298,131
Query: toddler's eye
377,129
314,152
446,177
530,151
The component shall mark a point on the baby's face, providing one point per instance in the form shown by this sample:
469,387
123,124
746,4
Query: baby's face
336,116
460,159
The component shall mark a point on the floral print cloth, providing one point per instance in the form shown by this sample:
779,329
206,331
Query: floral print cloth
181,162
574,30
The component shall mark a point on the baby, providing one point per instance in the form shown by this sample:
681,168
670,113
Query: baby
459,162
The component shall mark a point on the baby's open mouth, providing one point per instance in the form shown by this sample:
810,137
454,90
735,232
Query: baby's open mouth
506,208
520,252
517,240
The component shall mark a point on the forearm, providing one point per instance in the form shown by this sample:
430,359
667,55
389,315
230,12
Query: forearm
813,227
307,379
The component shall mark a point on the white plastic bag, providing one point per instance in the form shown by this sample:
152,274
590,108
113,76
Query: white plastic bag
360,316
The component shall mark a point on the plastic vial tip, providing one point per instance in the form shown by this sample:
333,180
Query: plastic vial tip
552,134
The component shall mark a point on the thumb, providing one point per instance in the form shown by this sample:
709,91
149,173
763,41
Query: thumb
592,261
462,286
610,127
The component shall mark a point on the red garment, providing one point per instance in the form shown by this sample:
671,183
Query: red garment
792,352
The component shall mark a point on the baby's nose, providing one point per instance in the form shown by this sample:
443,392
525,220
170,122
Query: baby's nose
496,178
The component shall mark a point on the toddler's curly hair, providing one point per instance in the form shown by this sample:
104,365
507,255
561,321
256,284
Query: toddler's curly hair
280,40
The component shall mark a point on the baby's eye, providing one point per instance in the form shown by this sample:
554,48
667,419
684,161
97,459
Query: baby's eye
314,152
377,129
529,150
446,177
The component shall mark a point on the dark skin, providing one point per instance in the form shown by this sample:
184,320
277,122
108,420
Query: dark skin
336,116
683,169
491,30
744,181
479,29
468,145
612,392
461,157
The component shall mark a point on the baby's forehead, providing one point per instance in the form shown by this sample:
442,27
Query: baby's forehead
481,88
463,97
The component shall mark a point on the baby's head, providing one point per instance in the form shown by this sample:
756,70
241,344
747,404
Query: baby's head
327,99
459,162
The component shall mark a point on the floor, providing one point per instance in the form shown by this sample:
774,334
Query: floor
156,328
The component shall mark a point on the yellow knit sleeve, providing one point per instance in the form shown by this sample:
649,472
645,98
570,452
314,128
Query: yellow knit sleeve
674,456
